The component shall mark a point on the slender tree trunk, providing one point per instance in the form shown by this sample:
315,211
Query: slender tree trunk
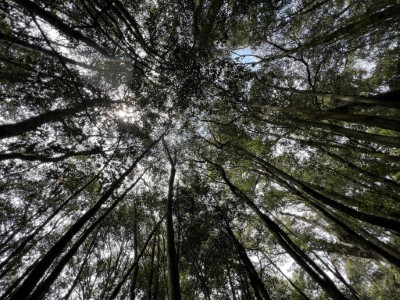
43,158
19,128
289,280
158,270
132,287
389,99
300,186
371,121
344,147
61,26
371,242
118,287
365,239
81,268
197,268
309,266
355,27
43,287
233,291
391,141
256,282
43,264
389,182
30,237
172,260
22,44
133,26
151,275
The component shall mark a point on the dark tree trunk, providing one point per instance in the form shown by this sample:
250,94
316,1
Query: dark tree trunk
256,282
309,266
40,291
391,141
19,128
22,44
300,186
43,264
394,185
371,121
158,270
355,27
172,260
151,275
52,19
389,99
118,287
80,271
43,158
30,237
132,287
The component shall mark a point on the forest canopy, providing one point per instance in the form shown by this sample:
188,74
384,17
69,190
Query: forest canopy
199,149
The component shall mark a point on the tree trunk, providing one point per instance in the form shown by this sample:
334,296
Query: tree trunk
30,237
158,270
256,282
391,141
174,292
208,26
61,26
370,121
43,158
365,239
80,271
309,266
289,280
151,275
118,287
389,99
25,45
394,185
19,128
300,186
44,286
356,27
43,264
132,287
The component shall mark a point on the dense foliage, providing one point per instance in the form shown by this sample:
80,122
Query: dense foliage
199,149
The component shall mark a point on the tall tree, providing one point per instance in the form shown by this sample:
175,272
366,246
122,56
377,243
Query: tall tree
278,171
